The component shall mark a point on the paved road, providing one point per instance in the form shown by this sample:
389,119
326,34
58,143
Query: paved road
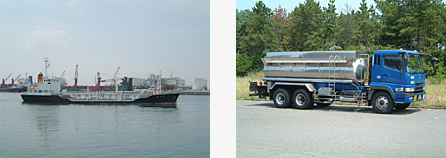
338,131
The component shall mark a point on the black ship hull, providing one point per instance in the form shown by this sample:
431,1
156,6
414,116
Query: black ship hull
170,98
44,99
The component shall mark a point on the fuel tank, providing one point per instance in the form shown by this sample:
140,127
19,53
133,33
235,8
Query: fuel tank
339,65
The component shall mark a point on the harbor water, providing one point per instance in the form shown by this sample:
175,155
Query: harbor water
109,131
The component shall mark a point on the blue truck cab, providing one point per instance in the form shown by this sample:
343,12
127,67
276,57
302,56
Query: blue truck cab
400,73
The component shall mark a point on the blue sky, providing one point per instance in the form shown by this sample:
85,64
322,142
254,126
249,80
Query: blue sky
289,4
140,36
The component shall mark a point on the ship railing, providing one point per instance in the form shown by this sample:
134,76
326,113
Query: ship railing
108,96
120,92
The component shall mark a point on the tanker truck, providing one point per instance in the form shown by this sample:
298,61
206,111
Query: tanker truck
385,80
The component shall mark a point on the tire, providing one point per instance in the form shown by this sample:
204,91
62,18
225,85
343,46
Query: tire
402,106
382,102
282,98
323,104
302,99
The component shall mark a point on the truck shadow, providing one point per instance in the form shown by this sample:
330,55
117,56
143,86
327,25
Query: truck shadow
271,105
347,108
362,109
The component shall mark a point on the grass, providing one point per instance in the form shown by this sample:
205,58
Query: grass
435,96
435,92
242,89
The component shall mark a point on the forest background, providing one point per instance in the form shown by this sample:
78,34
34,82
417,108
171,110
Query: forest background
391,24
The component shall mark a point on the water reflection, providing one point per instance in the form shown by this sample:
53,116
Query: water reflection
152,121
159,105
46,120
77,130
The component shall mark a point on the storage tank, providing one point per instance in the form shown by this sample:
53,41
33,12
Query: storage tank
199,84
341,65
208,83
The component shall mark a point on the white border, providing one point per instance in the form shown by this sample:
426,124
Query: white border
223,118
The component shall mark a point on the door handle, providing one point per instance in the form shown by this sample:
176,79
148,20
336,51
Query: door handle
385,75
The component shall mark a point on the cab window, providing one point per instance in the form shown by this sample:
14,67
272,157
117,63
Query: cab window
393,61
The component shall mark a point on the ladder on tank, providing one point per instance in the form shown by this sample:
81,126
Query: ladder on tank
332,72
364,78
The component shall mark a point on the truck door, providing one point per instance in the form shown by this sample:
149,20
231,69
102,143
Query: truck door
393,70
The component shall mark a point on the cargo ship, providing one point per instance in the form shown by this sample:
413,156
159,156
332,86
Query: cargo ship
48,90
14,88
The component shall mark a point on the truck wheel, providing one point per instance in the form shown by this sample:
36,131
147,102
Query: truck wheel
282,98
302,99
382,103
402,106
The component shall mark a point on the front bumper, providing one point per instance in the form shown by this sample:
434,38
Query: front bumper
413,97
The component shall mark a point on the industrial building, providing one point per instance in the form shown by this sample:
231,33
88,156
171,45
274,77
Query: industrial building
156,80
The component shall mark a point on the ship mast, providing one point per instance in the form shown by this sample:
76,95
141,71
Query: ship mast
116,80
159,83
46,65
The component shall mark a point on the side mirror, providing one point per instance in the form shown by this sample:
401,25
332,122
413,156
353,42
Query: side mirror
433,62
433,59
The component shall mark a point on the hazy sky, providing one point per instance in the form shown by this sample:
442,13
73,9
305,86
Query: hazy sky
141,37
290,4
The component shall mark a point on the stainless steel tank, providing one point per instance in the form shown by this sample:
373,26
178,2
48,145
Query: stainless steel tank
339,65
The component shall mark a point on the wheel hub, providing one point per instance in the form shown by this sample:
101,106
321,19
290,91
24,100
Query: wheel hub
280,98
382,102
300,99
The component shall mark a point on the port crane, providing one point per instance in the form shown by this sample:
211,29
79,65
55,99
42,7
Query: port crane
64,82
12,82
99,80
6,78
113,80
75,77
116,73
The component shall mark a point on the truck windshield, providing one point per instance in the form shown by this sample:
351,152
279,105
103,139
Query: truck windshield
415,64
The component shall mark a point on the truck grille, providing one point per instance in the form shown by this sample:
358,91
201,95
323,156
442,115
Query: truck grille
418,89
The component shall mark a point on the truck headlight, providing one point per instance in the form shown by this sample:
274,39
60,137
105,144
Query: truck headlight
410,89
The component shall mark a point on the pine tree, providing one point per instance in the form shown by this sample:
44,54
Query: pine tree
308,25
261,34
346,27
366,26
242,29
329,26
